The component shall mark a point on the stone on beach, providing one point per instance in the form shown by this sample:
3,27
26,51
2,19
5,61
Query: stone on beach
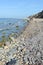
27,49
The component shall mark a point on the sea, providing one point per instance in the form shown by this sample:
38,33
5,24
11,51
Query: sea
9,26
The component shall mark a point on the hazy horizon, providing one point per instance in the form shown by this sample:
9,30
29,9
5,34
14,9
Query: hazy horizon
19,8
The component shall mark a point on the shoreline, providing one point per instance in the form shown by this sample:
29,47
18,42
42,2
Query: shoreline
27,48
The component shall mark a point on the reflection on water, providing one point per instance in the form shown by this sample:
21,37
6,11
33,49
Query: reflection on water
10,26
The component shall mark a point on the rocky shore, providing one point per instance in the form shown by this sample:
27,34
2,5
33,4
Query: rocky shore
26,49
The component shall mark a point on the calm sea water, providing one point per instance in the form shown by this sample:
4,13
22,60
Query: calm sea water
11,25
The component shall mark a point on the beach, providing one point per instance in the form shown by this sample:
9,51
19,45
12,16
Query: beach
27,49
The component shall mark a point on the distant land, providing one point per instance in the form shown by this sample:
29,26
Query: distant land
38,15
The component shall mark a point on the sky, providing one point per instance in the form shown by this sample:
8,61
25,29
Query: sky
19,8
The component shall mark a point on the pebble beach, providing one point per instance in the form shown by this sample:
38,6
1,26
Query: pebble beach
27,49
